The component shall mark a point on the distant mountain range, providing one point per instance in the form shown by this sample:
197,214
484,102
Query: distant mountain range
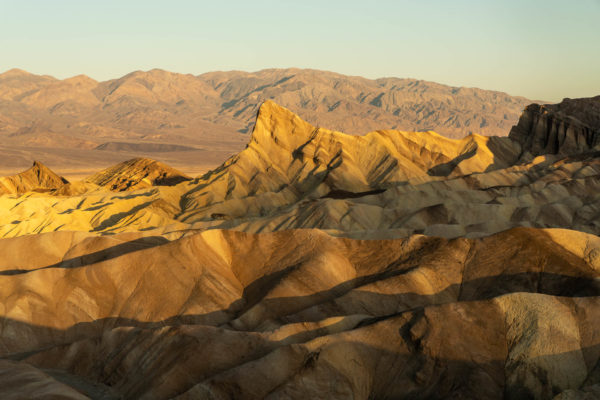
215,112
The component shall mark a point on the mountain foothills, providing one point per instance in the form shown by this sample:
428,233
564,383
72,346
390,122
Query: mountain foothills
314,264
197,122
382,185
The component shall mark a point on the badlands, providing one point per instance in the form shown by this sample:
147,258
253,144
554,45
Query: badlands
314,264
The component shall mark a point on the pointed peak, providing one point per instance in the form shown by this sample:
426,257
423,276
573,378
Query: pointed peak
277,124
80,79
37,178
46,173
138,173
270,107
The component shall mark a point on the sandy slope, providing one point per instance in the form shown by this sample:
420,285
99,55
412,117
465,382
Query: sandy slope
38,177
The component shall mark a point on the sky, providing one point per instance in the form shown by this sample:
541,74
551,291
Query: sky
540,49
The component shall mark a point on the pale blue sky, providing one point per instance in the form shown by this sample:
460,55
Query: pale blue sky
541,49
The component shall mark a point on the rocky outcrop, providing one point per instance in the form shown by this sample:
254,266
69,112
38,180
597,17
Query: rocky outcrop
138,173
567,128
38,177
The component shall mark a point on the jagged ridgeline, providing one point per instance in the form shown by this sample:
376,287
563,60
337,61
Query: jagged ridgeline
196,122
143,282
383,184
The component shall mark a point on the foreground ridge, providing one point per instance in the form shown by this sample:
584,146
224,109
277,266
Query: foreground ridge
284,314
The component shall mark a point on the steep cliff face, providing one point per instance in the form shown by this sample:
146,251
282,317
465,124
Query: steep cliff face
570,127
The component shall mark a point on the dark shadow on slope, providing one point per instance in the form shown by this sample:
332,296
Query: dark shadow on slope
98,256
113,219
446,169
341,300
421,367
21,340
25,341
170,180
505,154
344,194
349,299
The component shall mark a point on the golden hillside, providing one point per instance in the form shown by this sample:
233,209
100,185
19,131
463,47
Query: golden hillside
293,175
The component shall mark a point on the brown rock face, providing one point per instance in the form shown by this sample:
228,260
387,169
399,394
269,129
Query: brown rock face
568,128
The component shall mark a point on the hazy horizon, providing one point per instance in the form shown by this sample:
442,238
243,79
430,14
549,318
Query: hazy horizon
250,72
542,50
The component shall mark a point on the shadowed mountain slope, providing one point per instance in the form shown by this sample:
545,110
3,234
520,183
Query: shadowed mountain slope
568,128
138,173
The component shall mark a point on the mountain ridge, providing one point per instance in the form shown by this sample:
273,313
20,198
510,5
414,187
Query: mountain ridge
216,111
385,184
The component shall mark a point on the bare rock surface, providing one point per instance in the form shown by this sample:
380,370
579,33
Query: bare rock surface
136,174
293,175
568,128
